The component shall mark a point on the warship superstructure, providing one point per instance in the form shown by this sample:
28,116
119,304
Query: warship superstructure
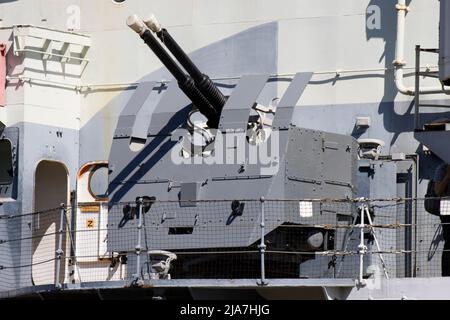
223,148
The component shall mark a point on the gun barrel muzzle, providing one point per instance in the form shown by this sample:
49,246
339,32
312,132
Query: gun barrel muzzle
202,81
136,24
186,84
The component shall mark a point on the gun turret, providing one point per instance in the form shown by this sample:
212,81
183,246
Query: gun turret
185,82
202,81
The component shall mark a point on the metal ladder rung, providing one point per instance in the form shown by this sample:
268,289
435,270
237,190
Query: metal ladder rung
429,74
429,50
431,105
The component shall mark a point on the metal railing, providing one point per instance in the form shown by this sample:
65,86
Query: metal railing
261,239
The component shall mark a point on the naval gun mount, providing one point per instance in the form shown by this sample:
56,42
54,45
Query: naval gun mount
203,199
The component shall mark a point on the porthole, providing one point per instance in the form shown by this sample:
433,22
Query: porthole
98,182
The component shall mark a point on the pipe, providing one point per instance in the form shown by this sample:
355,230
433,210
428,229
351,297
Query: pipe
399,61
125,85
202,81
185,82
444,27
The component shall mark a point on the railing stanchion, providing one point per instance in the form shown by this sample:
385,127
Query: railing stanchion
138,249
59,252
362,249
262,247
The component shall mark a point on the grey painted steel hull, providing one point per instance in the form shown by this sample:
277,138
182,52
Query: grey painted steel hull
391,121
